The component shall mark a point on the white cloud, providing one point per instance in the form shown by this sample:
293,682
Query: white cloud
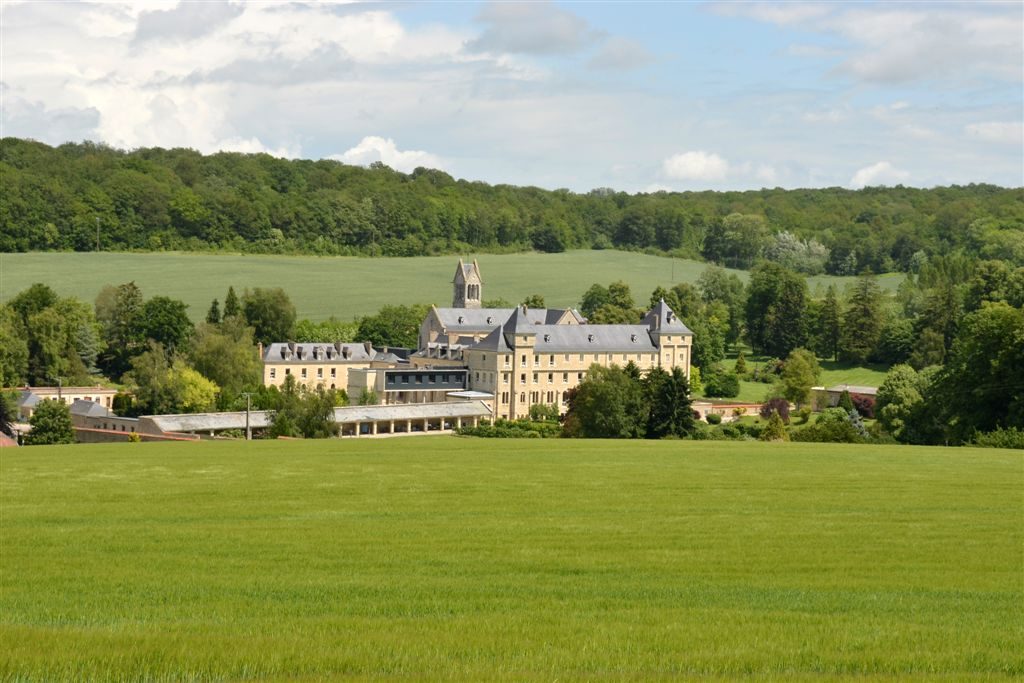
696,165
901,43
531,27
620,53
1004,132
881,173
373,148
254,146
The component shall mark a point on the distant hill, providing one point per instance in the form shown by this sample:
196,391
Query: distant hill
61,198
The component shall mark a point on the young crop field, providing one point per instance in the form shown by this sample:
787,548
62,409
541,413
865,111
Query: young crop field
347,287
453,558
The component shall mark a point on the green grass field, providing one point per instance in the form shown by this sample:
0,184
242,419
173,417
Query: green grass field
832,373
444,558
351,287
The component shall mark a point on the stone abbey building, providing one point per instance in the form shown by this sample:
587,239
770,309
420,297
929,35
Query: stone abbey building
509,358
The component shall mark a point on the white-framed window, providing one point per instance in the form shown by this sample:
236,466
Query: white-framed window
273,373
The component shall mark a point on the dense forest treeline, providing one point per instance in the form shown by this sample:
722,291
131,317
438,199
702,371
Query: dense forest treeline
68,197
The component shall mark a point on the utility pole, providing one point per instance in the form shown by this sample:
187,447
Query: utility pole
248,407
97,234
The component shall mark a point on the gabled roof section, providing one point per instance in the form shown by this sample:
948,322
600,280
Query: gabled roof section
519,322
662,320
495,341
467,272
89,409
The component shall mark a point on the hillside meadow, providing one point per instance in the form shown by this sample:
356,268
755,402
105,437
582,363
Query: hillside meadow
440,558
349,287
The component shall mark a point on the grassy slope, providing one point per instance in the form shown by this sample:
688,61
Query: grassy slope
349,287
832,373
436,558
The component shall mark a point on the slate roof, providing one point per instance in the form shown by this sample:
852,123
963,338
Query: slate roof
662,319
495,341
90,409
293,352
27,399
593,338
479,319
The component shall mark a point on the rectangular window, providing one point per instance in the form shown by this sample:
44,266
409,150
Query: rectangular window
522,378
483,357
287,371
551,359
536,361
273,373
405,379
551,377
505,376
334,372
579,376
565,377
303,373
319,373
522,397
508,360
535,378
524,359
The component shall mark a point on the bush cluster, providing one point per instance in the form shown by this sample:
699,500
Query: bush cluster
514,429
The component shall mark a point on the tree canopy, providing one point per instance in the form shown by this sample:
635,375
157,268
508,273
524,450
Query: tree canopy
155,199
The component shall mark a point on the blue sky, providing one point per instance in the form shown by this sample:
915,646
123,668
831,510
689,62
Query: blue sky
637,96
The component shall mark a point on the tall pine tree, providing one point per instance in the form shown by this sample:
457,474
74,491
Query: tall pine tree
862,321
231,306
829,326
213,315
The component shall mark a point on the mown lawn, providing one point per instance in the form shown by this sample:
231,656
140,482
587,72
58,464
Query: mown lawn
350,287
444,558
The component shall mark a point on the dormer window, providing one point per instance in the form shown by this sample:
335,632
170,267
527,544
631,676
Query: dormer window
461,319
632,338
490,320
590,338
547,337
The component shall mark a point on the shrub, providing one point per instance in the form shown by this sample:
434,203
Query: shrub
722,385
517,429
741,364
768,372
833,425
541,412
804,414
777,406
1001,438
714,419
51,424
865,405
134,437
845,402
775,430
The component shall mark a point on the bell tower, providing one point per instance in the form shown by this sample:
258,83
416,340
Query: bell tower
467,286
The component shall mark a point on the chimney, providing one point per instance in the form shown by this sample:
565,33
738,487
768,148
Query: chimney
369,348
259,350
